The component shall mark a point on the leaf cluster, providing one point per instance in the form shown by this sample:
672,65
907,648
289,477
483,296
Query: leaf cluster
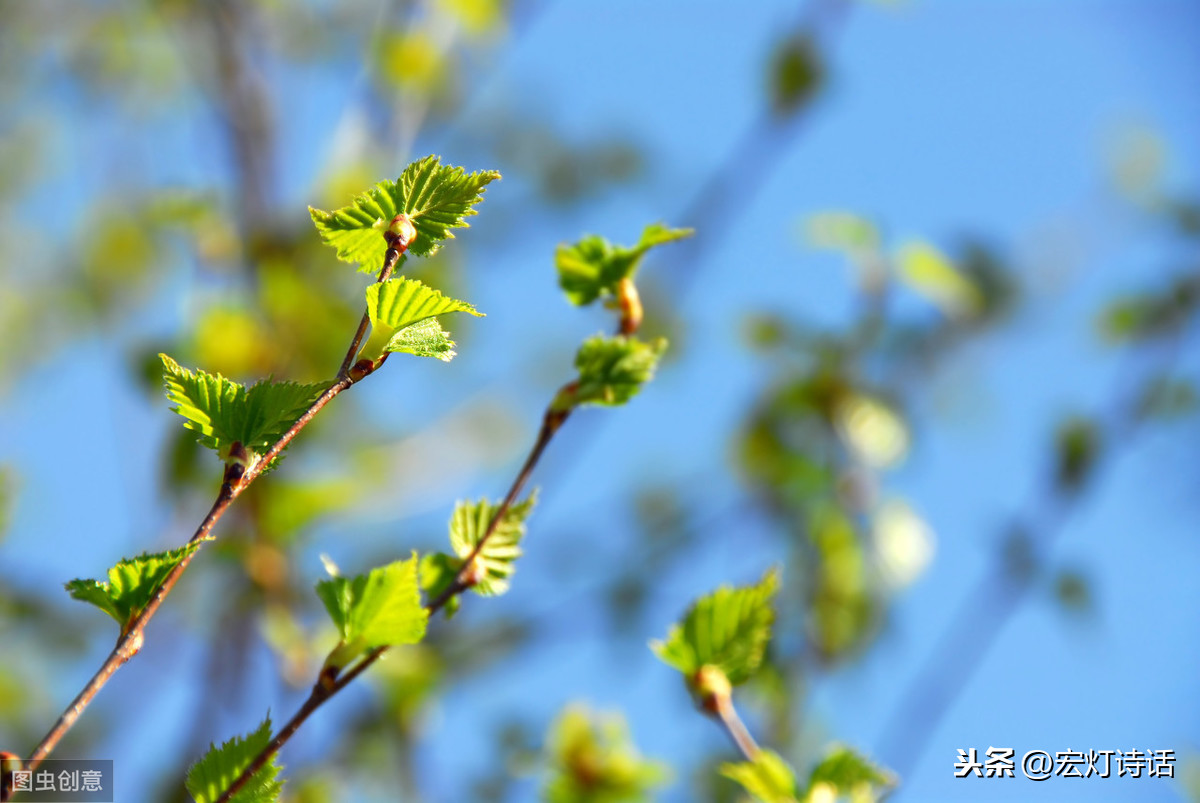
593,267
436,197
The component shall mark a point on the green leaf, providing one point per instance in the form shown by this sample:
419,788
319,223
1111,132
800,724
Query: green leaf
843,231
438,572
929,272
593,266
131,583
436,197
728,629
224,412
797,74
424,339
379,609
768,777
611,370
845,773
209,777
495,561
593,760
402,319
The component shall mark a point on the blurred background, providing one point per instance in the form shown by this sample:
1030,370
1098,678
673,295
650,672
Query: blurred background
933,353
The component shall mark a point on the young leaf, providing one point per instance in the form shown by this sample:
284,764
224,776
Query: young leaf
378,609
593,266
768,777
495,561
436,197
424,339
209,777
843,772
130,584
438,572
611,370
402,319
224,412
728,629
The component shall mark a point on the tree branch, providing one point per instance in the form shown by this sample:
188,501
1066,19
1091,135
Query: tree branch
729,720
234,483
328,684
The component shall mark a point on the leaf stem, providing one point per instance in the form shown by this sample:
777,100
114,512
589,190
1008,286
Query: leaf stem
235,481
728,717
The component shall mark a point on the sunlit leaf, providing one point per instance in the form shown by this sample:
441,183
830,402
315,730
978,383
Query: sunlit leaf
728,629
929,272
209,777
378,609
224,412
131,583
593,267
403,314
845,773
611,370
768,777
496,561
436,197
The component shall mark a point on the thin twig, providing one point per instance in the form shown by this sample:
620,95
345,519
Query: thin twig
727,715
328,684
234,483
997,595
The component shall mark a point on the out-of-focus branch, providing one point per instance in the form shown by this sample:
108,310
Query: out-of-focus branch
998,594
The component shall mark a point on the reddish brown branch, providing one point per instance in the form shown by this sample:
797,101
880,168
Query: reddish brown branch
235,481
329,685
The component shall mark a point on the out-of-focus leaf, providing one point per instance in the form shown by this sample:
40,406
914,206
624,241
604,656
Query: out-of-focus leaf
412,60
593,267
1073,591
842,231
929,272
873,430
1167,398
1077,446
768,777
841,606
797,73
845,773
728,629
611,370
591,759
1143,316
